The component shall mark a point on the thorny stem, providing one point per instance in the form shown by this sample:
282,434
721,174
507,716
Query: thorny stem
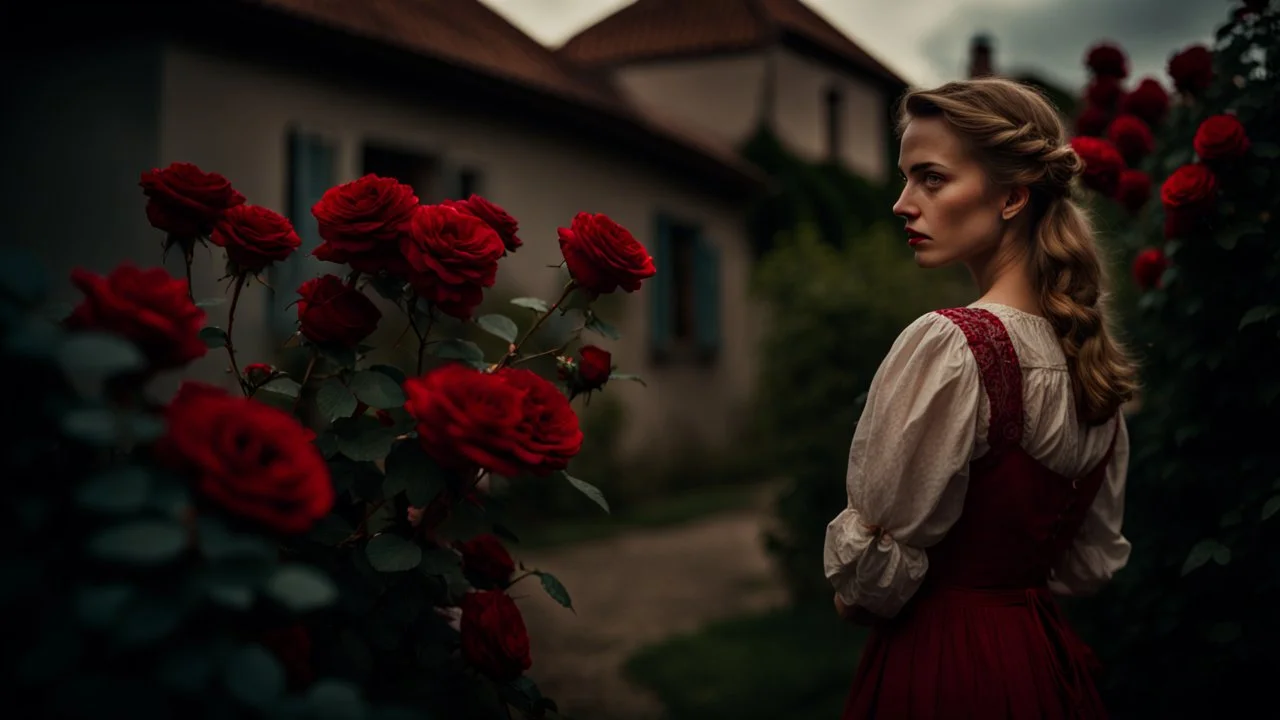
311,365
515,350
231,321
360,528
422,334
188,257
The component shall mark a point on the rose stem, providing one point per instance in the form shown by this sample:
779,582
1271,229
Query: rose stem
231,321
568,288
311,365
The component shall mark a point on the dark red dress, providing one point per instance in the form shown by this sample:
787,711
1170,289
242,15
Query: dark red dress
983,638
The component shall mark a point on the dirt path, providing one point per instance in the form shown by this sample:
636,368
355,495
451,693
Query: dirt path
633,590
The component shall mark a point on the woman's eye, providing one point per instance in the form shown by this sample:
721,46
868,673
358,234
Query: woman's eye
933,179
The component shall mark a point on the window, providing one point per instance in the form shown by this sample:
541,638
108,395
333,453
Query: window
418,171
835,115
468,183
311,171
685,294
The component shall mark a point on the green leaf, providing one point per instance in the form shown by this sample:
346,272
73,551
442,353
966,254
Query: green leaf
1230,236
218,542
210,302
1267,150
327,444
1222,555
118,490
285,386
554,588
335,700
412,471
442,562
145,542
624,376
589,490
498,325
377,390
98,606
106,427
99,354
334,400
455,349
1260,313
392,372
537,305
389,552
1272,506
213,336
596,325
1199,555
1231,518
301,588
254,676
330,530
364,438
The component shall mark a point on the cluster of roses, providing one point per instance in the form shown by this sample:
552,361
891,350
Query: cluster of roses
1114,133
257,461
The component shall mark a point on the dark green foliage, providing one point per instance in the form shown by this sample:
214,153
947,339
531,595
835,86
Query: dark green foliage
1189,628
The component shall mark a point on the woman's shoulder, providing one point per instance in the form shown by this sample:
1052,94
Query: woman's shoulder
933,338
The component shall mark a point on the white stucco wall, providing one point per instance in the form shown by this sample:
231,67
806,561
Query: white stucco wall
801,113
719,97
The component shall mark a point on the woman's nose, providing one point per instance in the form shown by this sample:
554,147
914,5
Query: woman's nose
903,207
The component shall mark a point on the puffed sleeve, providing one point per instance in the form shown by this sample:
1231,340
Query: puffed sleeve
1100,549
908,467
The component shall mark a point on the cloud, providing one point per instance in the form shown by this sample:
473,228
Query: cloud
1051,38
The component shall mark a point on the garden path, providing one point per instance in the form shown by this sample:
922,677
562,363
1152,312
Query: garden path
634,589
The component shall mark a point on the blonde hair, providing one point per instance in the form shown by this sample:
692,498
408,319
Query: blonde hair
1019,138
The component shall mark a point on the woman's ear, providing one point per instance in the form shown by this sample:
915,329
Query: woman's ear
1017,199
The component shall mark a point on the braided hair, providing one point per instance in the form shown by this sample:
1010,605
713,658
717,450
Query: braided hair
1020,139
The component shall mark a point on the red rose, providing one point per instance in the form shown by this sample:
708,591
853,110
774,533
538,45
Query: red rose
1107,60
254,237
497,218
1148,267
332,312
602,255
254,460
1221,137
1102,164
362,221
452,256
1131,137
493,635
594,366
1148,101
1104,92
1092,121
185,201
1134,190
486,560
1187,195
1192,69
258,373
149,307
549,430
506,422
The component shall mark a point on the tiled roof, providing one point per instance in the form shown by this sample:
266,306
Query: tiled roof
650,29
468,34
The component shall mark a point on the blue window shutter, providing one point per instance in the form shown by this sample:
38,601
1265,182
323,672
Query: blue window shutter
661,289
311,172
706,288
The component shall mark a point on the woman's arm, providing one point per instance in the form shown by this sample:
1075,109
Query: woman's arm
908,467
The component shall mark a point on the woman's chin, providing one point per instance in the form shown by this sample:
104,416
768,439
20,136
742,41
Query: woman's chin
925,258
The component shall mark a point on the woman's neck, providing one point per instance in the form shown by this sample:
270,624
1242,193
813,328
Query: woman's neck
1005,279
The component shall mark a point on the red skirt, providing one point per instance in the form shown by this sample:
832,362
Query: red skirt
981,654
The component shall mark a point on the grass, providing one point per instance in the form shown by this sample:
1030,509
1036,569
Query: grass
795,663
659,512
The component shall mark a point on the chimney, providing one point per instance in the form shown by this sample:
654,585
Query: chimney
980,64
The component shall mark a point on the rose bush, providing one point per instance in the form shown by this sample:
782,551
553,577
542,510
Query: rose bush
1186,629
313,544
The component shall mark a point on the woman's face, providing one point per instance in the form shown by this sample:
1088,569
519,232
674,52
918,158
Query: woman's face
953,211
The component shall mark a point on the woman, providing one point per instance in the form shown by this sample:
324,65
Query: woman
988,467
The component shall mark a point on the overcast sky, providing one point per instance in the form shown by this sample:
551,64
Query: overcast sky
926,41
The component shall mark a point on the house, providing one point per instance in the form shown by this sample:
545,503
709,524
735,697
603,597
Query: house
289,97
726,67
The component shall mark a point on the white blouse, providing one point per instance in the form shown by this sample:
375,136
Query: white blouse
925,419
